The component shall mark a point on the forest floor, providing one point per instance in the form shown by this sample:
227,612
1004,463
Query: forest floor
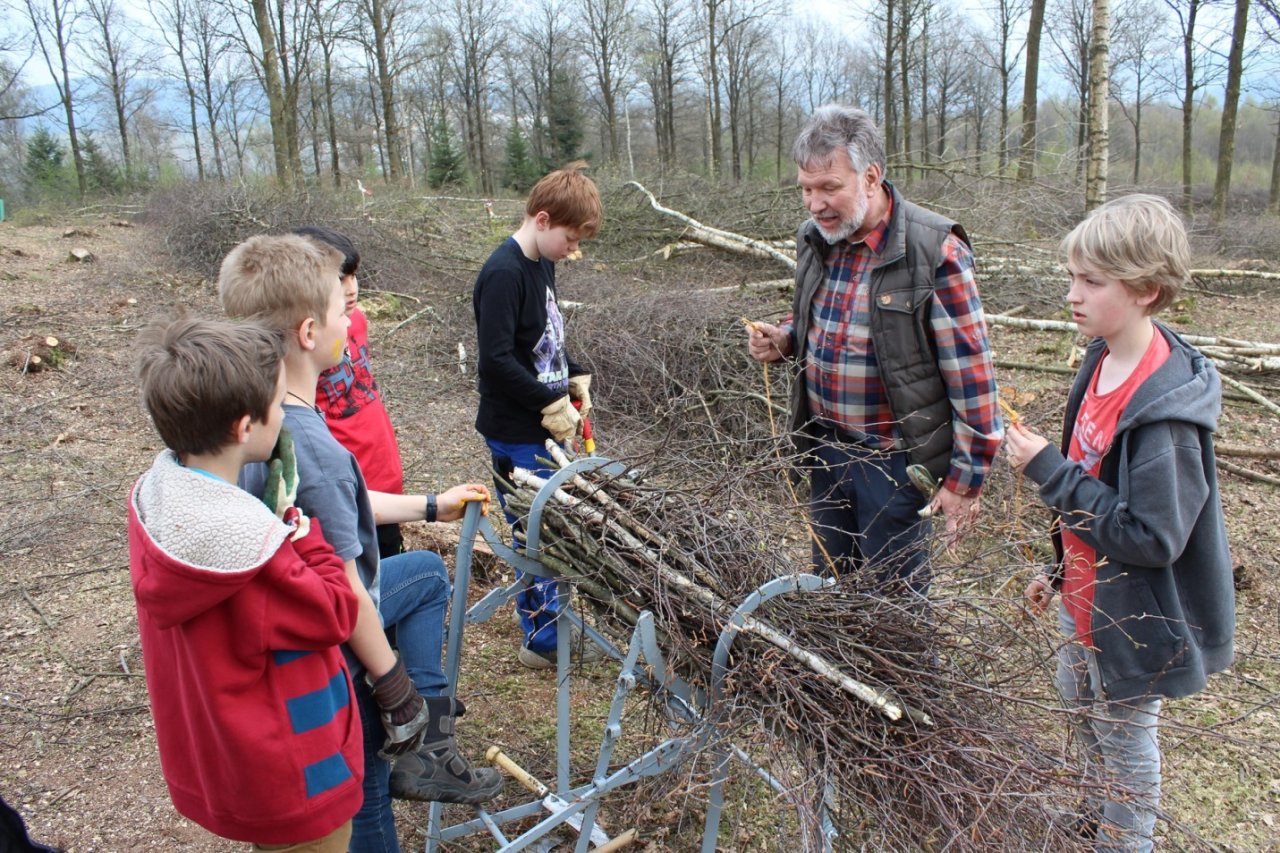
77,753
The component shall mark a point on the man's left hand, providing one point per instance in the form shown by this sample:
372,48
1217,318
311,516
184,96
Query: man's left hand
959,511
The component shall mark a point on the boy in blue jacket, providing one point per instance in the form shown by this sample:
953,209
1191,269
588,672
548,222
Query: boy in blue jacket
1148,604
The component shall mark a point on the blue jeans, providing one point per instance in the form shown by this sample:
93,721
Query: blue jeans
415,598
373,829
864,511
537,605
1121,746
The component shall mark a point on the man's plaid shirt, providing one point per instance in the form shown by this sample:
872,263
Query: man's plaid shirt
841,375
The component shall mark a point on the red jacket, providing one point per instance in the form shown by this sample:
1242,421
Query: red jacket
255,716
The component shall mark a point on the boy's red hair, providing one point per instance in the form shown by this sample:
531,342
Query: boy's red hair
569,198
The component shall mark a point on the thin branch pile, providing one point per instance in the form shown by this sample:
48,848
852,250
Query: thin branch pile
910,716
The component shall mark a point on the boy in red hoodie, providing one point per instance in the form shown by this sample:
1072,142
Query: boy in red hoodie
241,612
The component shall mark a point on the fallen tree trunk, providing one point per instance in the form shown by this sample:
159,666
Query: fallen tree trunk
728,240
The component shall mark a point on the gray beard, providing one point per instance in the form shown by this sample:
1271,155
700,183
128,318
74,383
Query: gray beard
844,232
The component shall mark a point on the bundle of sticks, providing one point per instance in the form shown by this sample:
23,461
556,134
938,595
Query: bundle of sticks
899,711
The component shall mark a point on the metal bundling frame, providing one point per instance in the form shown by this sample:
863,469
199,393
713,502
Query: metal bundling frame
578,805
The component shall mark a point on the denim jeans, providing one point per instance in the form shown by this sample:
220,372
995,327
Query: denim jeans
373,829
864,511
537,605
415,599
1121,746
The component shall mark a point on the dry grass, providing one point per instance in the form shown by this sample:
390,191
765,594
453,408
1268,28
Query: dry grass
77,755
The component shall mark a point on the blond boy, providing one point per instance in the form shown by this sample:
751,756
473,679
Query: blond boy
1147,605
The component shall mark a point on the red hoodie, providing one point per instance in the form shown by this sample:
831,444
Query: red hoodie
255,716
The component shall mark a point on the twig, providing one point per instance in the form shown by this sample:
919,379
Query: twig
31,602
1251,394
407,320
1241,471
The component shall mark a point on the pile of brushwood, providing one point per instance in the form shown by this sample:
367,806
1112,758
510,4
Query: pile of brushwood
919,722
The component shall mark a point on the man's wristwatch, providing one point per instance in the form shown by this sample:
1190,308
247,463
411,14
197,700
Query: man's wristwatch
430,513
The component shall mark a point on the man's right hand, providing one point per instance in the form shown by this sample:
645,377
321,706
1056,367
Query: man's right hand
768,343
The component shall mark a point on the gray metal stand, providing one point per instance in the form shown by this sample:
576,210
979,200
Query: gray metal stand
579,805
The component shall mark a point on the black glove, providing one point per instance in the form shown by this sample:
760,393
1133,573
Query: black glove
404,712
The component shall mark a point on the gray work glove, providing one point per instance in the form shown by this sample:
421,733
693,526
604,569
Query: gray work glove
561,419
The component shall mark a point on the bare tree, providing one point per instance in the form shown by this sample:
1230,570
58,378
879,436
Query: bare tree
608,30
1141,43
1186,13
1230,105
475,29
821,75
212,49
1002,55
267,64
1030,93
1070,26
545,49
172,19
1269,19
380,17
782,61
117,61
947,79
54,23
333,25
1099,152
745,36
667,33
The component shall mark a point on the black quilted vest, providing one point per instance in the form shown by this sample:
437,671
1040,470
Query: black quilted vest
901,298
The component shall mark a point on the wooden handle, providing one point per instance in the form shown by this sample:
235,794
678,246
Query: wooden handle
623,840
497,757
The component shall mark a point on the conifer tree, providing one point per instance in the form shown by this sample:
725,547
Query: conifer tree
101,175
447,164
44,167
520,172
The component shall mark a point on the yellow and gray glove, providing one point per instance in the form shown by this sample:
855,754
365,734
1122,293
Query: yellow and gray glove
580,390
561,419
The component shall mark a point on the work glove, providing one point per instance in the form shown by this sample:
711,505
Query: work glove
281,488
580,390
404,712
561,419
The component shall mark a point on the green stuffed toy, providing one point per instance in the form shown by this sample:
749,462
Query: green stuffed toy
281,488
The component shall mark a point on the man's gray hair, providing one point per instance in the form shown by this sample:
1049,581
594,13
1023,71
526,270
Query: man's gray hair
835,126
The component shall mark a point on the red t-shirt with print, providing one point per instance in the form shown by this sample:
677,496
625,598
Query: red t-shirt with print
1091,440
348,396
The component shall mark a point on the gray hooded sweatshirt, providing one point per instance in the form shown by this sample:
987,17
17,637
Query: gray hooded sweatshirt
1164,601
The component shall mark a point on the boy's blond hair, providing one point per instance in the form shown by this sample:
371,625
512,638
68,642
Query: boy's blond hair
198,377
570,199
279,280
1137,239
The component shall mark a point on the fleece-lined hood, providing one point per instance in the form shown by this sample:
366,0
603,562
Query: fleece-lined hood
193,560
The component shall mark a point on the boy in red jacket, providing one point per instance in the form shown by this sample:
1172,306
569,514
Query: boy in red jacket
241,612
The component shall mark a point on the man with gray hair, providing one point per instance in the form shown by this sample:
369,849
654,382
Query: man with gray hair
894,409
